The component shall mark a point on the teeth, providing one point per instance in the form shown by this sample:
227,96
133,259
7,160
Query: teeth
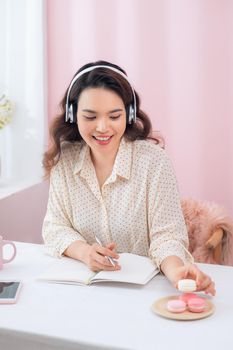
102,138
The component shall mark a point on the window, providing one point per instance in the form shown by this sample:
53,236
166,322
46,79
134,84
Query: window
23,81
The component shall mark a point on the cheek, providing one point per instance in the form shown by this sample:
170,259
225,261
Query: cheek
83,128
122,131
122,127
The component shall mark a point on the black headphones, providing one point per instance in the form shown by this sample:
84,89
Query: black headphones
71,109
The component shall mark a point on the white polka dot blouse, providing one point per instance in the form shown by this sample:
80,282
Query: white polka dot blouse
138,206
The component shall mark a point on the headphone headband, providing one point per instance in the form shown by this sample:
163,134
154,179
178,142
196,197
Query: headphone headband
69,107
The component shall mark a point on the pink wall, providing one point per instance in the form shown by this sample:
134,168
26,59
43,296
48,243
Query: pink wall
22,214
178,55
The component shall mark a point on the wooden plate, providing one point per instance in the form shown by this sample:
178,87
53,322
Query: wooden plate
160,308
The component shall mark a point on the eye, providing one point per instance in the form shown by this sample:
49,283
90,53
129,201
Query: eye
114,117
89,117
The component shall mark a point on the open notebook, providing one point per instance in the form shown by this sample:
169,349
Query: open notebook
134,269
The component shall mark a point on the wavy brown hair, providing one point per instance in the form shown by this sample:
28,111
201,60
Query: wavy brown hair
62,131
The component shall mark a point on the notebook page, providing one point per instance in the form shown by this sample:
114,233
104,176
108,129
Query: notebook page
134,269
67,270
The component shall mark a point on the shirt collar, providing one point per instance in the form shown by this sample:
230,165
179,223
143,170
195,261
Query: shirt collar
83,158
122,165
123,161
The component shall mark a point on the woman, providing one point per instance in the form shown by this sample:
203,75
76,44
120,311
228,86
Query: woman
112,187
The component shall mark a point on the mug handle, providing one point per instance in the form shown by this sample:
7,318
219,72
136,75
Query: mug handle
14,252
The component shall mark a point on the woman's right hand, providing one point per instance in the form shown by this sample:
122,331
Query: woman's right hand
95,257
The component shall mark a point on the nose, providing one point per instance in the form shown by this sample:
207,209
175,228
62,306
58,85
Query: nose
102,125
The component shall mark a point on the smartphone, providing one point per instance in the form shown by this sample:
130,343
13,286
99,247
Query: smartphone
9,291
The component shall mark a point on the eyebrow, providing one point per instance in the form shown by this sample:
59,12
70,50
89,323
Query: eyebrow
112,111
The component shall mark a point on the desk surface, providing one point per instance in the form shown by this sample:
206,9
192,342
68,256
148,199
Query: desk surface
105,315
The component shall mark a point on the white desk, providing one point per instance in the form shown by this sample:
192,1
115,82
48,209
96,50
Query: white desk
105,316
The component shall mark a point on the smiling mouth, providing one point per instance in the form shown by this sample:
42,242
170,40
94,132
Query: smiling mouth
99,138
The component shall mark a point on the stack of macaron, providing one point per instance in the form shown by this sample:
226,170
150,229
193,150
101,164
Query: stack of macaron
188,300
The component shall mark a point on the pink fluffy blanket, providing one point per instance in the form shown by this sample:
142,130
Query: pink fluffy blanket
202,220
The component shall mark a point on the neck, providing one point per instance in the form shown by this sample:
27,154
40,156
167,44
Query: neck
101,160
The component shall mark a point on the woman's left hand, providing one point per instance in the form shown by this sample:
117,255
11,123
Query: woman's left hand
191,271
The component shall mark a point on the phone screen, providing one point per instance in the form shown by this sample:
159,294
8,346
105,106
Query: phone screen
8,290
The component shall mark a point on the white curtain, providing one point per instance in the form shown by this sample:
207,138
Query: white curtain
22,79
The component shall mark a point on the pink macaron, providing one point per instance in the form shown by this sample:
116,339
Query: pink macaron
176,306
196,304
186,297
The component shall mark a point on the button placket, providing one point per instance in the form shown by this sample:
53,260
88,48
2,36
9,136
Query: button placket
104,219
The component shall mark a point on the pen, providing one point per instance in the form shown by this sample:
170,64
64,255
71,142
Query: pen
110,259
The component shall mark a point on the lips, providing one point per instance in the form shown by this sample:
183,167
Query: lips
102,140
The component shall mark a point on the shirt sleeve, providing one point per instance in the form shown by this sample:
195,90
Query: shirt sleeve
168,233
57,230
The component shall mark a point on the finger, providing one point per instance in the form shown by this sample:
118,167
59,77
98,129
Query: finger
97,266
101,259
106,252
208,286
111,246
203,281
211,289
193,272
104,261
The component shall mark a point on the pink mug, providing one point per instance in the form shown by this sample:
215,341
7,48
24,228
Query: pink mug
2,260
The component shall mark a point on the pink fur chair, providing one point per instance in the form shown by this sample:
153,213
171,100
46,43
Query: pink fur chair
210,232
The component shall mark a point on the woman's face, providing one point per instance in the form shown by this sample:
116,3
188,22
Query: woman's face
101,119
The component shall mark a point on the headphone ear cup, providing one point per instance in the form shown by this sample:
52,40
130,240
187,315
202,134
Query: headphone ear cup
72,111
131,113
